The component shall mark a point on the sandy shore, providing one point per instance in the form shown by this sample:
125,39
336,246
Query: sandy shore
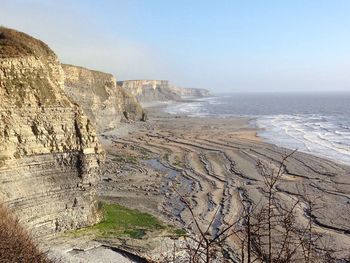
213,162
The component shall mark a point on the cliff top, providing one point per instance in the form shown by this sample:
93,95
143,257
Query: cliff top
15,44
68,66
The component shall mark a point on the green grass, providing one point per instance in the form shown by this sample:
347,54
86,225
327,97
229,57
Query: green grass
119,218
135,233
180,232
119,221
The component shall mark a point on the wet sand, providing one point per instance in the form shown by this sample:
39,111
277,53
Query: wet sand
212,161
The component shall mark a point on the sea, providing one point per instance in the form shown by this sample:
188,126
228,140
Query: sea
314,123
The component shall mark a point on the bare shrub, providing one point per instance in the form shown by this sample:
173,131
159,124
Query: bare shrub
206,246
15,243
268,231
276,235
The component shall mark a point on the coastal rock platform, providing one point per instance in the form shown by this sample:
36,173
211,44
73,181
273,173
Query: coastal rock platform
213,163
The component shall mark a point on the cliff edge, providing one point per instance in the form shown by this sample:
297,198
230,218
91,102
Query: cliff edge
160,90
50,155
105,103
149,90
190,92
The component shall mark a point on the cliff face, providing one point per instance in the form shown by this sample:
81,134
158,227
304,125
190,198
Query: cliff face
49,159
190,92
159,90
105,103
149,90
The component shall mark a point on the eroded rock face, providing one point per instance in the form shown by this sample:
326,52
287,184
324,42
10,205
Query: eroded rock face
105,103
149,90
50,156
190,92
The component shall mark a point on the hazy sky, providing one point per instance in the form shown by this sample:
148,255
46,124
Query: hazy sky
225,46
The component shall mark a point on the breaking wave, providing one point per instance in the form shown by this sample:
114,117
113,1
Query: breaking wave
316,124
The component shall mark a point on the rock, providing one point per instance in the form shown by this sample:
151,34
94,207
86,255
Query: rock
190,92
159,90
105,103
149,90
48,146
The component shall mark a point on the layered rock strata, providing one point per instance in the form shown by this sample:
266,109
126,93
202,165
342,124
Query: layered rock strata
105,103
50,155
190,92
149,90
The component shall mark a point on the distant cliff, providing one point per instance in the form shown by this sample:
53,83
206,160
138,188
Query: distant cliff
105,103
50,156
149,90
160,90
190,92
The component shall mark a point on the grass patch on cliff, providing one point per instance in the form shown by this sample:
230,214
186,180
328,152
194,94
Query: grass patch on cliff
119,221
17,44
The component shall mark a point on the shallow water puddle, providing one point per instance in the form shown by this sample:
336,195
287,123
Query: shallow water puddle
173,179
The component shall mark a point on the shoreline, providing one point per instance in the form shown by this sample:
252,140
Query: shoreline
214,162
252,121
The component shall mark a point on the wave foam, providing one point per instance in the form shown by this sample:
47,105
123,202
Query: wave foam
314,134
326,135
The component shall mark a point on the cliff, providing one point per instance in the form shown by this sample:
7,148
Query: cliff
105,103
149,90
159,90
50,156
190,92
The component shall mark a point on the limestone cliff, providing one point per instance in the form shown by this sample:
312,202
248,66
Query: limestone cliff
105,103
50,156
149,90
190,92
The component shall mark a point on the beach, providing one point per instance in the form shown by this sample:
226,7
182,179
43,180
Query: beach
174,132
213,163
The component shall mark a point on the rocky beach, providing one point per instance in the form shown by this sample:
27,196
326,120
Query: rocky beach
213,162
95,170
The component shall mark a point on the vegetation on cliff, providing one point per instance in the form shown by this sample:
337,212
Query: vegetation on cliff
17,44
45,140
15,243
30,73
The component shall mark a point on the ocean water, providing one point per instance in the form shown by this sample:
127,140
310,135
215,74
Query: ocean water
315,123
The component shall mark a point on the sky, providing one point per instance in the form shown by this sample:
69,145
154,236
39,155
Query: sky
222,45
